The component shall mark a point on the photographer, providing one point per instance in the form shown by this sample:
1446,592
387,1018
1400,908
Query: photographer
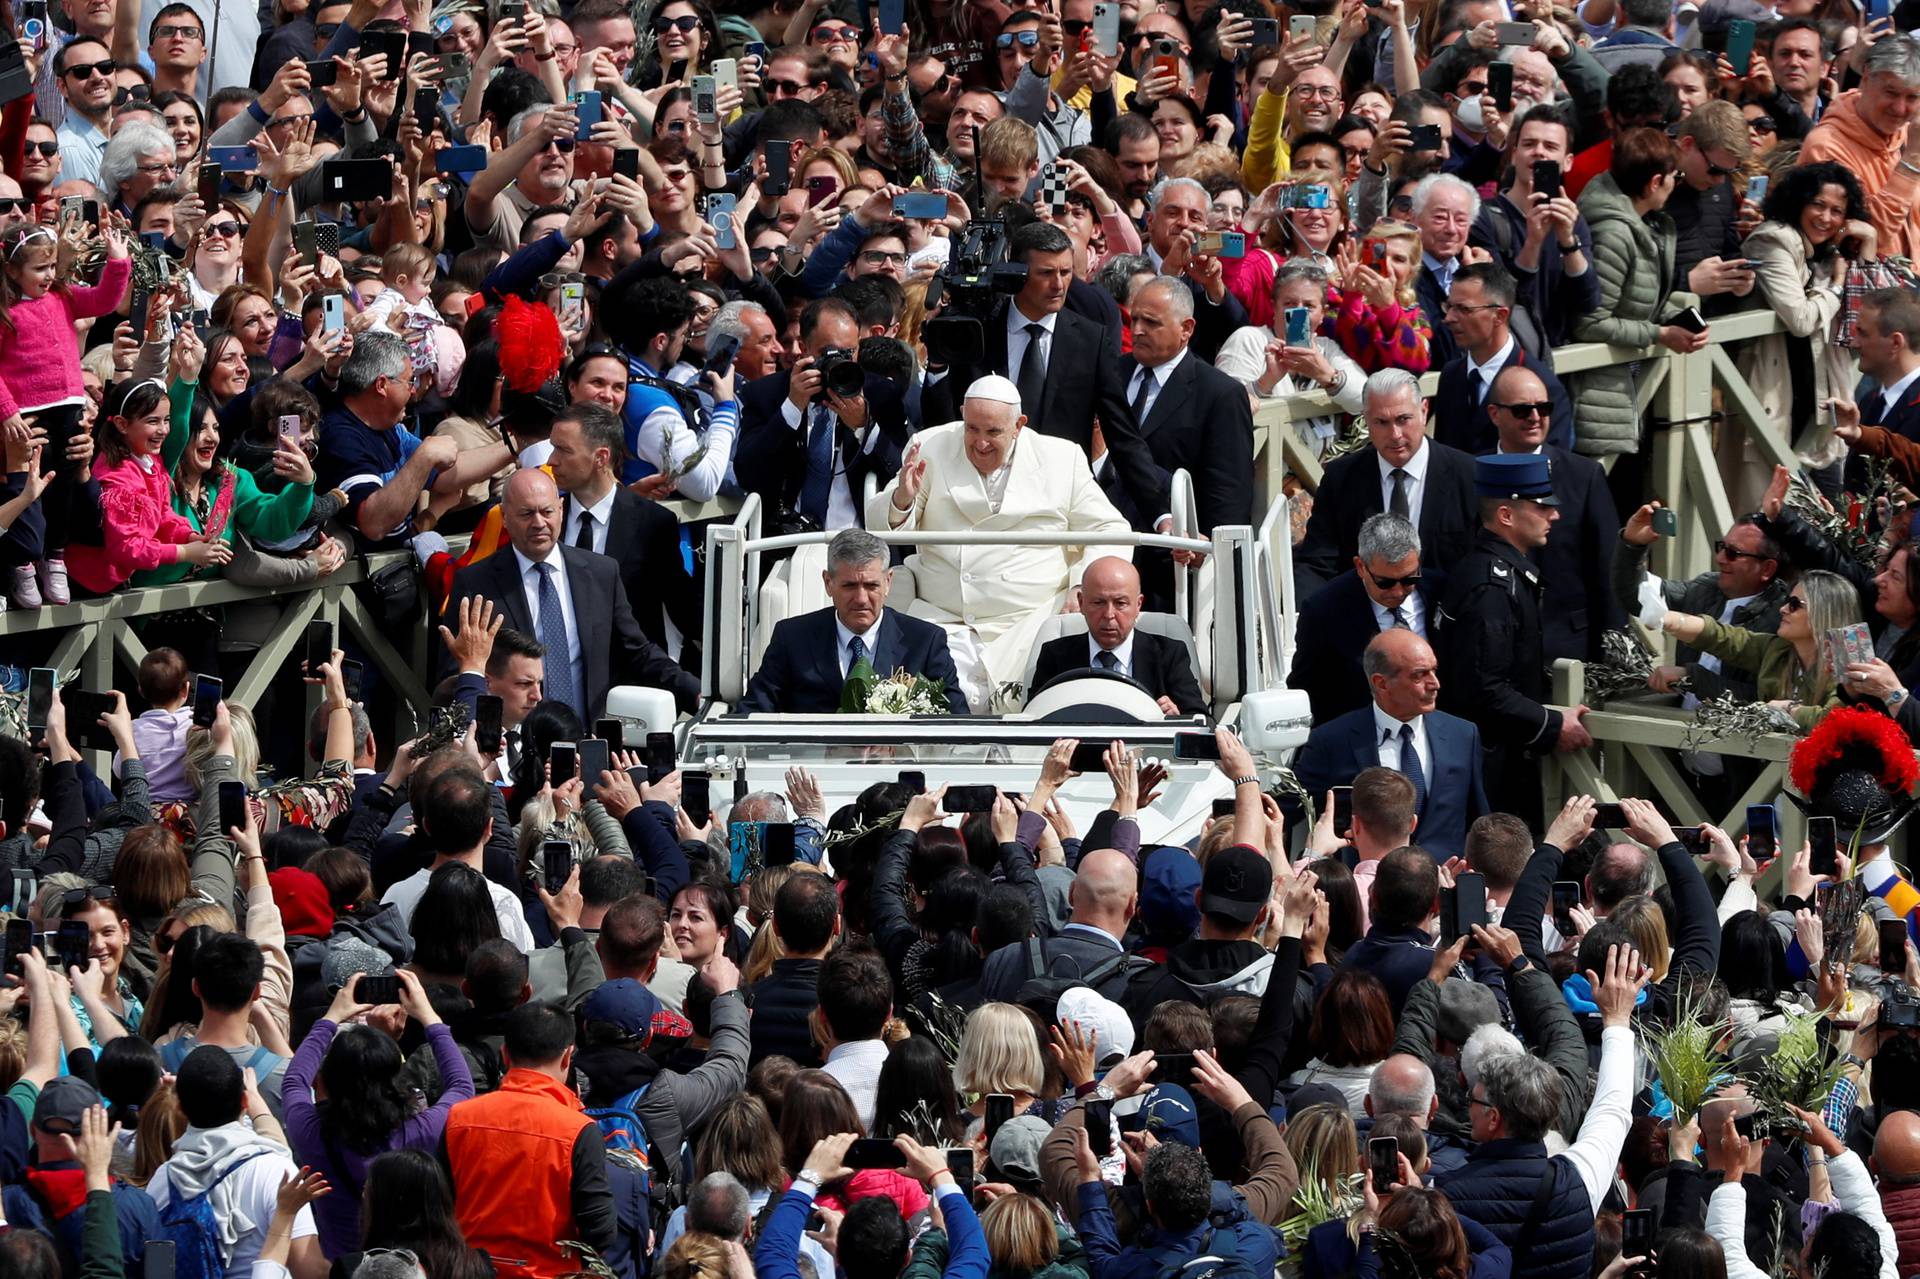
809,438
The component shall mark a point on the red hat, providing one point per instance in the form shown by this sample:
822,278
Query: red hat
305,908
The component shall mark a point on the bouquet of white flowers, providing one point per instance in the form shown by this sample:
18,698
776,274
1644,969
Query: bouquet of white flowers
900,693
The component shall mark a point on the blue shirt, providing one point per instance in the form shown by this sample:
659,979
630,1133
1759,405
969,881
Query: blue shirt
360,460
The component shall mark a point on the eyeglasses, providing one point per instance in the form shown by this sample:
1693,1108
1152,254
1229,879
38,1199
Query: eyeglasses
684,23
1791,604
48,148
225,230
1718,170
1479,1101
1393,583
1732,553
168,167
185,33
1025,39
834,35
880,257
1528,408
1312,91
1467,308
88,70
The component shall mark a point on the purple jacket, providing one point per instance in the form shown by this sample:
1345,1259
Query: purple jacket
337,1216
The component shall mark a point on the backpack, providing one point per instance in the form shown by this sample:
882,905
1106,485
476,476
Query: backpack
175,1051
629,1147
194,1231
1042,989
1219,1258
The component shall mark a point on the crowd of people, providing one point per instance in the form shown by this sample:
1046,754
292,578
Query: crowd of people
285,285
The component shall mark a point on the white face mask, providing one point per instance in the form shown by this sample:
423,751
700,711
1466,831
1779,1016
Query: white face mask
1469,115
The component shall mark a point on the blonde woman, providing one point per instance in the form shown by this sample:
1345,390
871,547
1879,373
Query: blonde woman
1790,667
1379,322
1644,921
1324,1144
1024,1241
1000,1053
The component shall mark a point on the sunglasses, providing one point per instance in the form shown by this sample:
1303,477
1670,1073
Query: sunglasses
80,896
786,88
1722,548
835,35
48,149
14,204
684,23
1718,170
1530,408
1025,39
563,144
1074,26
225,230
132,93
1791,604
1763,124
88,70
1393,583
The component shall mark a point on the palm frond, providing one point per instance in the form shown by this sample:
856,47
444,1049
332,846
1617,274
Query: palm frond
1686,1056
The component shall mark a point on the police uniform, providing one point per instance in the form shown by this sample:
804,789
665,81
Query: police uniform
1493,667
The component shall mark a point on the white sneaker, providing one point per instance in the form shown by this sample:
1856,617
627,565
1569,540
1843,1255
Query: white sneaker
26,590
52,573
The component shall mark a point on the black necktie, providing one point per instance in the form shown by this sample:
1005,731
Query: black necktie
1473,386
1398,505
1410,765
1033,371
1106,660
1140,397
584,538
1886,408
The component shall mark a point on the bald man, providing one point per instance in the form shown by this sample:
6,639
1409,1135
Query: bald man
1578,607
1090,947
572,602
1402,730
1896,1167
1111,600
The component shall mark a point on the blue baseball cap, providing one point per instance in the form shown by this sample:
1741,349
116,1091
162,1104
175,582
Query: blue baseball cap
1169,877
629,1005
1172,1116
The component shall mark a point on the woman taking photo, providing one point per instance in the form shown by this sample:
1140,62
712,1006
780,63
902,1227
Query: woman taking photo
1379,322
1791,667
363,1110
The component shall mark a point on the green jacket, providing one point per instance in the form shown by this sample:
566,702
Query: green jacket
930,1259
1634,258
266,517
1775,668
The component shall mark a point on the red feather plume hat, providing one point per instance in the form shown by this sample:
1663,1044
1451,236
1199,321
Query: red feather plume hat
1858,767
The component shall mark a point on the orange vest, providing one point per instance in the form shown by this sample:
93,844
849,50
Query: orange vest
511,1152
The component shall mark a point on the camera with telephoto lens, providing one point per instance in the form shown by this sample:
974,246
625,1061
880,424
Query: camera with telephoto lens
840,374
977,270
1899,1010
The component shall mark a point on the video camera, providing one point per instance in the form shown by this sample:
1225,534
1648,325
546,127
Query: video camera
977,270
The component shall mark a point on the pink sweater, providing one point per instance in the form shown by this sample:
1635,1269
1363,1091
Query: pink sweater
40,348
141,529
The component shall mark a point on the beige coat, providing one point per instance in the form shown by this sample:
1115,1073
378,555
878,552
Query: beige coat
1000,594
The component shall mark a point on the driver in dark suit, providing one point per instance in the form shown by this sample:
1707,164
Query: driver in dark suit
1110,600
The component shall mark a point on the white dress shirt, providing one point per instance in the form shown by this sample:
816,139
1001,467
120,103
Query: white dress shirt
1122,652
1386,738
1017,339
1894,394
600,515
530,586
1159,373
843,507
1413,606
1488,370
1416,469
857,1067
870,637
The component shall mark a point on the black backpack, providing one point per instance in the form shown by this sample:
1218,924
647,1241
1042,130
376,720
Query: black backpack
1042,989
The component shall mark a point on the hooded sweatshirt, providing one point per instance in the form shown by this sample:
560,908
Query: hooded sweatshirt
1844,137
243,1203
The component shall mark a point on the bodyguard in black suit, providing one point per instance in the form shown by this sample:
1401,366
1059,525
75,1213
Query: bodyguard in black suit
611,647
599,513
1437,487
1067,375
1387,588
1901,416
1480,322
1110,600
808,657
805,449
1577,608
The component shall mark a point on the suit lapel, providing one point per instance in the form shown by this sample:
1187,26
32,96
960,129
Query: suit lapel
825,658
511,593
592,618
889,654
1166,404
1366,752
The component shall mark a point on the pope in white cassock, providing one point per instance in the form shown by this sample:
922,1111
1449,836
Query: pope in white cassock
988,474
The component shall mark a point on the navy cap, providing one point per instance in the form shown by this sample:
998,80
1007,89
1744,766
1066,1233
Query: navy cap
1514,475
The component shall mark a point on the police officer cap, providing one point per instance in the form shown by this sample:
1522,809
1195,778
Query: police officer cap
1514,475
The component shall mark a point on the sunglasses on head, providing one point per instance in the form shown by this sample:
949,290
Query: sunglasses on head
80,896
684,23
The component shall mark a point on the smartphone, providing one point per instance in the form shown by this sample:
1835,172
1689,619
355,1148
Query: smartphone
1763,839
239,159
1546,178
1426,137
40,696
1566,895
454,66
593,762
695,797
1300,27
32,20
391,43
1100,1127
306,240
960,1164
1106,30
589,111
1383,1157
1691,838
1196,746
893,16
1298,334
383,989
1514,33
356,179
626,162
556,863
489,715
141,303
914,780
333,313
1636,1232
755,49
1740,33
1609,817
1469,902
1893,946
874,1152
1757,189
612,731
999,1111
72,943
820,189
1690,320
1500,85
1224,807
721,348
931,205
1823,844
207,692
352,676
207,186
426,108
660,756
969,799
726,73
326,238
320,646
1222,244
233,805
1166,56
1666,522
706,100
19,942
84,710
513,10
776,844
561,760
463,160
573,304
323,72
1266,31
1342,810
777,158
718,208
